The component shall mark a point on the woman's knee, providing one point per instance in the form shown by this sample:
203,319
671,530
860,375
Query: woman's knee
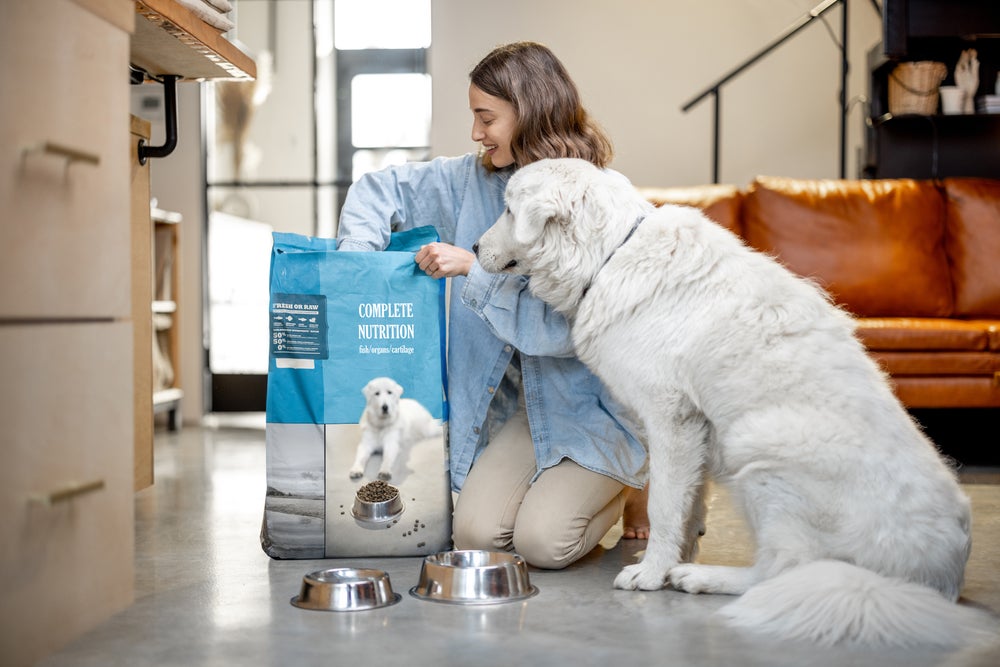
470,531
552,541
548,546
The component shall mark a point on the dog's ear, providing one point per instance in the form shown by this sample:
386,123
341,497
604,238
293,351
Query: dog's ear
530,224
397,389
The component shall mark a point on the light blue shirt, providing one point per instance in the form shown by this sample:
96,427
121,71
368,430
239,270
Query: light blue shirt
570,413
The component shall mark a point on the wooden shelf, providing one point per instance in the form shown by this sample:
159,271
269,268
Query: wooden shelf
166,381
169,401
171,39
166,217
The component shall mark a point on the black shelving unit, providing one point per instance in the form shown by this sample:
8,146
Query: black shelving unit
935,145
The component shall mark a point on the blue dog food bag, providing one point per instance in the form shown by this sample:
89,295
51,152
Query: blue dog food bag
339,321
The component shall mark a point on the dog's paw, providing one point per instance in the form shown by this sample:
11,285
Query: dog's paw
356,473
701,578
691,578
688,577
641,577
385,476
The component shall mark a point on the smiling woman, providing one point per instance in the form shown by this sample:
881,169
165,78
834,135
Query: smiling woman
541,454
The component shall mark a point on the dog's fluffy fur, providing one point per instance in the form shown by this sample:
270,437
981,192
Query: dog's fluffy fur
390,425
741,370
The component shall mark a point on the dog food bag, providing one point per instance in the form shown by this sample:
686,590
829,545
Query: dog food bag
357,461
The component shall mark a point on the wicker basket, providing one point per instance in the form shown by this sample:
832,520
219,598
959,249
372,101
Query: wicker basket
913,87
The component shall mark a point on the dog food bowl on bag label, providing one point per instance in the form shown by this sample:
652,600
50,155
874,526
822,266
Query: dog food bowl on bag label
377,502
473,577
345,589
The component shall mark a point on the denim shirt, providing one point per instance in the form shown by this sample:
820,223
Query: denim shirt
570,412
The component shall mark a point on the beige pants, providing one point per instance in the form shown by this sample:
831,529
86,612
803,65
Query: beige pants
550,523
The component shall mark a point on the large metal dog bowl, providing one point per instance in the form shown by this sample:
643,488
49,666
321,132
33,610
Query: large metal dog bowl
345,589
377,502
473,577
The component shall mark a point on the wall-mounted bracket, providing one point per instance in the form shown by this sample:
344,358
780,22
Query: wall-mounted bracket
169,82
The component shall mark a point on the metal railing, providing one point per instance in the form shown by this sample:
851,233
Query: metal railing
803,22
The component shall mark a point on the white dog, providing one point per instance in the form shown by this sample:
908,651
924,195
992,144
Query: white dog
741,370
390,425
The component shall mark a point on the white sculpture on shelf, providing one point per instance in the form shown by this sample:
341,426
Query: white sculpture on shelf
967,79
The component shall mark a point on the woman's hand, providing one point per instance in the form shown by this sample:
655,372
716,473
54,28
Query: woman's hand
443,260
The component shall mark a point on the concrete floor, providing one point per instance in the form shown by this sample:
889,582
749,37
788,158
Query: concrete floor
207,595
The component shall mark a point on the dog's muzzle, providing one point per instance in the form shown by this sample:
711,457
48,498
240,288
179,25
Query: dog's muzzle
509,265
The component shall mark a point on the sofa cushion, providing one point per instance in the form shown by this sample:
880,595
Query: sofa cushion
972,240
961,391
929,364
718,202
876,245
918,333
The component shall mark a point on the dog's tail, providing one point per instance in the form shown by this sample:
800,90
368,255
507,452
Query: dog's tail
831,602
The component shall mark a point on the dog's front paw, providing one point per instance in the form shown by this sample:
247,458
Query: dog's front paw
691,578
384,476
641,577
356,473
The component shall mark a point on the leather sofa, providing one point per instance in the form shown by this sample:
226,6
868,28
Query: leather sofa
916,262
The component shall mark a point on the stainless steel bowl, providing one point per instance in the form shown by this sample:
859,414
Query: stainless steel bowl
379,511
345,589
473,577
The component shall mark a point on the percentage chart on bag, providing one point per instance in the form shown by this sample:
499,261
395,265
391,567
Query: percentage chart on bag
298,326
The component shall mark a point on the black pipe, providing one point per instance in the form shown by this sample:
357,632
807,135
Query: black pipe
170,110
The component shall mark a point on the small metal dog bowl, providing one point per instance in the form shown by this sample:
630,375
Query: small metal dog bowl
345,589
377,511
473,577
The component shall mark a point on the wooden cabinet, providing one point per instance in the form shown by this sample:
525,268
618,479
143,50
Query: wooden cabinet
142,288
63,161
66,322
66,485
76,318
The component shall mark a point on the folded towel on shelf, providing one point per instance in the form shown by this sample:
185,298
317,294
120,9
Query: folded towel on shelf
223,6
209,14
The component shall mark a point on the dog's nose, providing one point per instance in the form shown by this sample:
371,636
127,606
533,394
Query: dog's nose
385,409
475,249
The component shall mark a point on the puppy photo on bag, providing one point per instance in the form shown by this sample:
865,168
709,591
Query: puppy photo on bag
390,426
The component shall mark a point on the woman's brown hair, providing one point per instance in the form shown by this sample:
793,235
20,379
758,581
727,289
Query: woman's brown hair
551,121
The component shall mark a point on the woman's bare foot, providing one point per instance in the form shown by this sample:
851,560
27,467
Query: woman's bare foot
635,521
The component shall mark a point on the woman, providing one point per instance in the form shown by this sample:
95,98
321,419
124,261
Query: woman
541,455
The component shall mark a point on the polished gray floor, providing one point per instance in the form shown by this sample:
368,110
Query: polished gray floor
207,595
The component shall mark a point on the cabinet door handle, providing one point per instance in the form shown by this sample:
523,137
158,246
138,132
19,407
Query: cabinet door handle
67,492
71,154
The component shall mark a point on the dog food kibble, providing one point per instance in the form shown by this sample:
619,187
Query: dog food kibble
377,491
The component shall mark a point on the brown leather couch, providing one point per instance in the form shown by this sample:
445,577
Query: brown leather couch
916,262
